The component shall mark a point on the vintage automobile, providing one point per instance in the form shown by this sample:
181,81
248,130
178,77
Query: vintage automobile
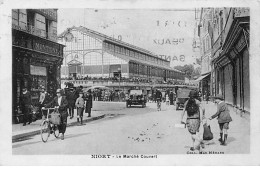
136,97
181,97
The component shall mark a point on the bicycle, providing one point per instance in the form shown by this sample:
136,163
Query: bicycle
47,126
159,105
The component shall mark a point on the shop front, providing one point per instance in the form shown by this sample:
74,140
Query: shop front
232,66
36,65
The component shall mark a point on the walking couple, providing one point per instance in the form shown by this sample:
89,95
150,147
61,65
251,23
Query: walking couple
196,115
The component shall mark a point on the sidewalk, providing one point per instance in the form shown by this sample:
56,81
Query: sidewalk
100,110
238,133
20,131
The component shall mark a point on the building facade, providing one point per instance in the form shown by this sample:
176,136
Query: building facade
205,34
91,54
231,62
36,55
228,63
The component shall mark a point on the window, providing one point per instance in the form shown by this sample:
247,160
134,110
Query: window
116,49
40,25
127,52
15,16
136,54
131,53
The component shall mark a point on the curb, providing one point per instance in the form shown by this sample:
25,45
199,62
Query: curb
38,131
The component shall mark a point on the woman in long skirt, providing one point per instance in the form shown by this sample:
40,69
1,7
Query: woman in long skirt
195,114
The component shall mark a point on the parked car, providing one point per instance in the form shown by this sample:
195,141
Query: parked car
136,97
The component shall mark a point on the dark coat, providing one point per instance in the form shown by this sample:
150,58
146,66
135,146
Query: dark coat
71,98
222,113
158,95
63,107
26,99
88,99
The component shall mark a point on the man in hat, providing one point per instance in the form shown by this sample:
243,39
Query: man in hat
223,118
80,104
171,97
89,103
62,104
158,96
71,101
26,106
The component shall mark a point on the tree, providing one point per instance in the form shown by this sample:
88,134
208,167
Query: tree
189,70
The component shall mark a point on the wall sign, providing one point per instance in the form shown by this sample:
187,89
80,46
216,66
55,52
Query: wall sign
46,48
38,70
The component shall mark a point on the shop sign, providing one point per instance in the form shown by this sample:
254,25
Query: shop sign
46,48
38,70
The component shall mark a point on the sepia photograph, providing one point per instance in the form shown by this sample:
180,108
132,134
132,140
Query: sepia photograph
131,83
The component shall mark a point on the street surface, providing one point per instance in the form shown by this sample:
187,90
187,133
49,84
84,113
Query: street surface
136,130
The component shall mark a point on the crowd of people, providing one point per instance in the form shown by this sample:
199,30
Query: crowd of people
71,98
108,95
124,79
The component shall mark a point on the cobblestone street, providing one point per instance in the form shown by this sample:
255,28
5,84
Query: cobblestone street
137,131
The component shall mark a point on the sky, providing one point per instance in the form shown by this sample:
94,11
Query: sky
164,32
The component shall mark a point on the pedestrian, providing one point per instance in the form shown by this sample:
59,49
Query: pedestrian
171,98
195,114
71,102
167,100
200,96
224,119
26,102
89,103
62,104
80,104
207,97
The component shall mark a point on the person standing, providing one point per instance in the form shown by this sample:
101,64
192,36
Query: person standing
171,98
167,100
62,104
89,103
80,104
224,118
26,106
71,102
195,114
158,96
207,97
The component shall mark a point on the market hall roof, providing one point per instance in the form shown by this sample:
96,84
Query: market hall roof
104,37
107,38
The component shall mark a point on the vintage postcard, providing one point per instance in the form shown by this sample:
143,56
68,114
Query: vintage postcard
129,82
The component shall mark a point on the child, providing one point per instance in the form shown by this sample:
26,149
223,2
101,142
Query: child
167,100
80,107
223,118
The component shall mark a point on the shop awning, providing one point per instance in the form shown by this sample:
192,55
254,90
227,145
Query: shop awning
202,77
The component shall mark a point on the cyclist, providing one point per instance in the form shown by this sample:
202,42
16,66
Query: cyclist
158,96
62,104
